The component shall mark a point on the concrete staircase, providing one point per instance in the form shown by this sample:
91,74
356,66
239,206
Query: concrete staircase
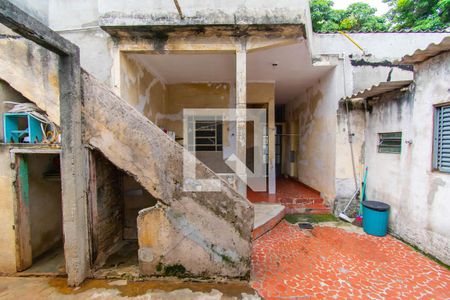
215,228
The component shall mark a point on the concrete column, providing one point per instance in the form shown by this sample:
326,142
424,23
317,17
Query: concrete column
241,106
73,172
271,132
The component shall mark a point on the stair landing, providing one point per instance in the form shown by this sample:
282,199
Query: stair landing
295,196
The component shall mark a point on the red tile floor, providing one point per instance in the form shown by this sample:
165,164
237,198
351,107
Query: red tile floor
328,262
294,195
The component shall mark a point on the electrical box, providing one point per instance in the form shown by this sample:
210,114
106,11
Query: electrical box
22,128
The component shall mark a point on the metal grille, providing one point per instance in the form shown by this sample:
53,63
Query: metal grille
390,142
208,136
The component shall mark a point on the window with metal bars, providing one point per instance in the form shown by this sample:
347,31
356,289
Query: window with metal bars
390,142
441,155
208,135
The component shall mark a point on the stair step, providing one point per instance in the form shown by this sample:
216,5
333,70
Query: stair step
318,208
267,216
305,201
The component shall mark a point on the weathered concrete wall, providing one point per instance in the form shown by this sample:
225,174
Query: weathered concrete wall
345,182
121,12
7,209
417,193
45,204
36,9
380,45
33,71
7,93
367,73
7,191
170,239
77,21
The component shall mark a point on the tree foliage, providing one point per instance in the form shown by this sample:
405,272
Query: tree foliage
357,17
403,14
419,14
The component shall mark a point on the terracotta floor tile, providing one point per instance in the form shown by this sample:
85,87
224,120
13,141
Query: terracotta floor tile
327,263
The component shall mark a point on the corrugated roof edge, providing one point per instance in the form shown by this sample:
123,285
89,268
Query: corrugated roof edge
428,52
381,88
447,30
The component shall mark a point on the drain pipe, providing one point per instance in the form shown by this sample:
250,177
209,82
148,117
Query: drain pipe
350,134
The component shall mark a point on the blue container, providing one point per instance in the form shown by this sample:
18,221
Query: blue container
22,128
375,217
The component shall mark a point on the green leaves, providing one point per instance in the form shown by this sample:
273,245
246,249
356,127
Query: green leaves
358,17
403,14
419,14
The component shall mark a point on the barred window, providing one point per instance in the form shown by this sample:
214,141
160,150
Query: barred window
208,135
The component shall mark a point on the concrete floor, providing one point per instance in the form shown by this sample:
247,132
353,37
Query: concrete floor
52,263
123,262
36,288
335,260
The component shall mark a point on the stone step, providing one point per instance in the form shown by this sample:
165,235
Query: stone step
267,216
316,208
301,201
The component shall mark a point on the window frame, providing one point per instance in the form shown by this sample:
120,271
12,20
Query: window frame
383,148
436,137
216,137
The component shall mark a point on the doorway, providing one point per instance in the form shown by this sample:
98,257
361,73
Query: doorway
39,226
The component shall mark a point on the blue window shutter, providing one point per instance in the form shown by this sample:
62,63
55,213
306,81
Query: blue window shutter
441,159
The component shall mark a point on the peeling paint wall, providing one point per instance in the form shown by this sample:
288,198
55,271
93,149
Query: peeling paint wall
7,209
33,71
7,191
314,112
163,104
7,93
196,12
142,89
418,195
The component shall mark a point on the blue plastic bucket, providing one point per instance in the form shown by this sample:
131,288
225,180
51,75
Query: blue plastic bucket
375,217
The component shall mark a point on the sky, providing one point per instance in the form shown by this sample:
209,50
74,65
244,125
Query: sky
378,4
